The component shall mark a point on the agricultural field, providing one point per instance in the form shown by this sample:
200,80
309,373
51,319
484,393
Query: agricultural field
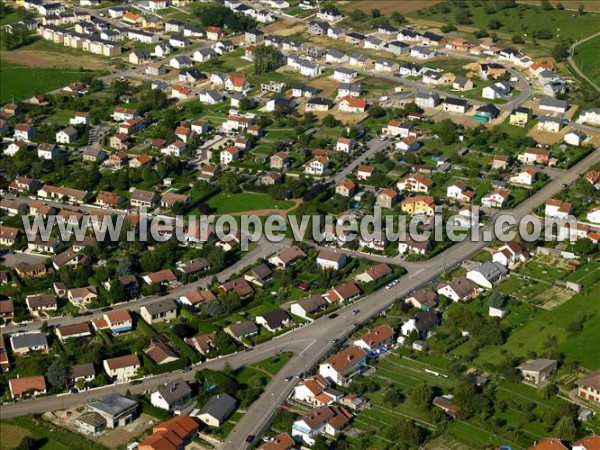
19,81
587,58
247,201
522,20
387,7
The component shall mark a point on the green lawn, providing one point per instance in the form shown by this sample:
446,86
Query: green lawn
533,332
19,82
587,58
586,275
274,364
246,201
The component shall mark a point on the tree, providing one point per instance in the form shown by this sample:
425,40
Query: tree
220,16
57,375
398,18
407,434
566,428
329,121
494,25
518,39
448,28
18,37
545,4
117,292
496,299
560,6
583,246
229,183
358,15
375,13
446,129
421,395
376,111
543,33
581,9
267,59
320,443
393,397
463,16
152,100
560,51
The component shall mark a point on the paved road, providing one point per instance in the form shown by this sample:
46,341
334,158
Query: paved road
576,67
311,342
526,91
373,146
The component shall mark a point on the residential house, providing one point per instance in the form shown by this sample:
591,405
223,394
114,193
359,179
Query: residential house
524,177
331,259
318,104
427,99
342,366
415,183
25,343
217,410
308,305
165,310
342,293
41,304
317,166
575,138
520,116
509,254
419,204
274,320
241,330
553,105
116,409
162,277
387,198
456,105
458,289
422,322
140,198
496,199
82,296
27,386
364,172
160,353
588,388
487,274
240,286
557,209
549,124
376,339
423,299
287,257
122,368
538,371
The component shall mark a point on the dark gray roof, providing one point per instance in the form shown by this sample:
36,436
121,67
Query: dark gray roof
174,391
114,404
161,307
312,303
275,317
554,103
491,271
29,340
220,407
345,70
243,328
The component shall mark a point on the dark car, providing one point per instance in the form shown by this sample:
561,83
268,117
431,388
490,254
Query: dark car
332,315
250,438
75,314
74,390
135,382
108,308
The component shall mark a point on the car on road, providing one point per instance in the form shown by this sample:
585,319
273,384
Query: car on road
135,382
355,311
186,369
332,315
250,438
288,378
335,340
108,308
86,313
75,314
74,391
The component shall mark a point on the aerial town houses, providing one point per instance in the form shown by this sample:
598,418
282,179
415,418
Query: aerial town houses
228,146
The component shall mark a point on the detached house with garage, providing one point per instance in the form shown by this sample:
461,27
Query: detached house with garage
162,311
459,289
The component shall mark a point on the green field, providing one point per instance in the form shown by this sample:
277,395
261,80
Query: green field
246,201
524,19
19,82
532,334
587,58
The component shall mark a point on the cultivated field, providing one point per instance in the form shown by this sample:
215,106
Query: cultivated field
388,6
